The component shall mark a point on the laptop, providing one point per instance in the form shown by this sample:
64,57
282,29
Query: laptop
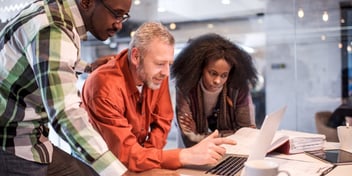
232,164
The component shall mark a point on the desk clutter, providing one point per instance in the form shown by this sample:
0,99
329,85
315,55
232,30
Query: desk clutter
285,147
288,149
300,164
296,164
284,141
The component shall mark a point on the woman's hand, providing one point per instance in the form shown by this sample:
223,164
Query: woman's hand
187,123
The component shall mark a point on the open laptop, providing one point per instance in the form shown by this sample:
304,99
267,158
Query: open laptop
232,164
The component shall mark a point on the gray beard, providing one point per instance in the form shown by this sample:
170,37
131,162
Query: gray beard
142,76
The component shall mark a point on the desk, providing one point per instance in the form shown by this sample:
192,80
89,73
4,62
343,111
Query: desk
294,159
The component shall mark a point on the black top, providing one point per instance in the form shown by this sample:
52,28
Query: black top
338,116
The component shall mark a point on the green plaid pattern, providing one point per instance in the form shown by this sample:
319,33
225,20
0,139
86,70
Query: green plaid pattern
39,49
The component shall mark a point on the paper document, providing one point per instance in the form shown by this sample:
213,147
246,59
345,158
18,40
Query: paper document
246,137
301,168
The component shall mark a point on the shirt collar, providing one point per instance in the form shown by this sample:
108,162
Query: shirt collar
124,64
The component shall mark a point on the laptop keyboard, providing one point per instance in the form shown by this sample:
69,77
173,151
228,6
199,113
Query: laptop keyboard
229,167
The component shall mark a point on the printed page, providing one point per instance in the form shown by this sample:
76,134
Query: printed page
244,138
295,167
303,135
278,140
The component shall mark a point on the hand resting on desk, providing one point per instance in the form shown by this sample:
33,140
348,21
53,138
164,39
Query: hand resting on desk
207,151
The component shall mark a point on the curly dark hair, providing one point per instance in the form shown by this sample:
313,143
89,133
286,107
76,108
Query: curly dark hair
190,62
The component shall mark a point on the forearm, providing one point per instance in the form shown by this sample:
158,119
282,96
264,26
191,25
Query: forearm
117,133
90,147
139,158
171,159
185,121
81,66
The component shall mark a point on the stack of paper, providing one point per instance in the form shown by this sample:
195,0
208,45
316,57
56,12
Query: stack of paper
284,141
300,142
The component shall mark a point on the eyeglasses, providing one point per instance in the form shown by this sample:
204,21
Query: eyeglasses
118,17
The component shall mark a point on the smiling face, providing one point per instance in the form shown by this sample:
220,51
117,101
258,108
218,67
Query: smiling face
154,66
215,74
102,22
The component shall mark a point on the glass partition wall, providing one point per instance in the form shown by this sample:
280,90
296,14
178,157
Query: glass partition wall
304,39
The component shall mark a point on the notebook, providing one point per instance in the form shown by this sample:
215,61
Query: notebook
232,164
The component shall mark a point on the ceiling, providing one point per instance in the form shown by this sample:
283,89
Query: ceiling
168,11
191,12
194,15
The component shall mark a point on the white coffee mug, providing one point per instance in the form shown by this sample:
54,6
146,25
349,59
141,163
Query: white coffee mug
345,137
262,168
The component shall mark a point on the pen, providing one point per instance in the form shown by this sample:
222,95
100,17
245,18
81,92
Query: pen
328,170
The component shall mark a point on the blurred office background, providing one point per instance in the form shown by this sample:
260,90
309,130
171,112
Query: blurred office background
301,48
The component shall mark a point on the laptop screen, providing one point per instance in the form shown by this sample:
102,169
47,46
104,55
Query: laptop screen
267,132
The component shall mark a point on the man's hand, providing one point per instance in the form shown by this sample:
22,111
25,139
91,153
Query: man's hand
153,172
100,61
207,151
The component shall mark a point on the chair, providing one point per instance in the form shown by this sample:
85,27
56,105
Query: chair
321,120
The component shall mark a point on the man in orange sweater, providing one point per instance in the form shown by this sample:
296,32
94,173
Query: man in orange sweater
128,101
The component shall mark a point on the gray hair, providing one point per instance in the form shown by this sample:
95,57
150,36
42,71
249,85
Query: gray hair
146,33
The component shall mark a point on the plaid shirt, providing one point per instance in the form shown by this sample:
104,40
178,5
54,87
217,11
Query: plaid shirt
39,49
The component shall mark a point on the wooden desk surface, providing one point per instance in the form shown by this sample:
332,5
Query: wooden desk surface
344,170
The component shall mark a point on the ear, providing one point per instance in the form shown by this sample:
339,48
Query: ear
135,56
86,4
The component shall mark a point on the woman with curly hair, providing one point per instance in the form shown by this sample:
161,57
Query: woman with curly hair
213,78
